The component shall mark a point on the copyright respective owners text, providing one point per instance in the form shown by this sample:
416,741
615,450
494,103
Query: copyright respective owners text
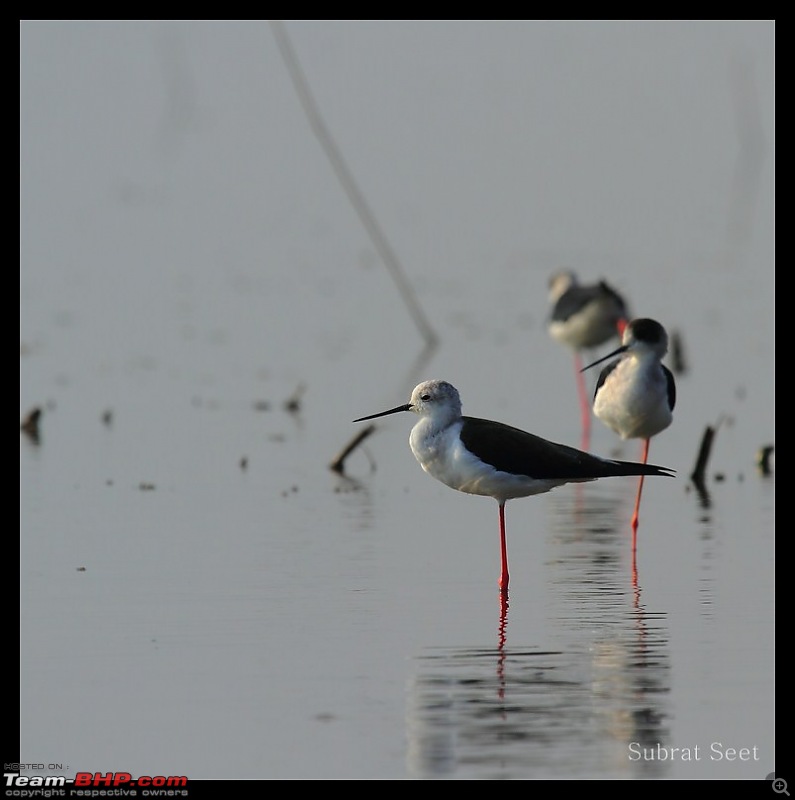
54,783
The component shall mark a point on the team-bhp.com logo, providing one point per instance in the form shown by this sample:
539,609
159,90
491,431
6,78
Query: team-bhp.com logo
122,782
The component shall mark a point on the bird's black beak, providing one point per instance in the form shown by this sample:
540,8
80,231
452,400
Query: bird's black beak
404,407
618,352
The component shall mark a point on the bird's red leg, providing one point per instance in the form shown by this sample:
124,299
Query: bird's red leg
585,404
635,514
503,583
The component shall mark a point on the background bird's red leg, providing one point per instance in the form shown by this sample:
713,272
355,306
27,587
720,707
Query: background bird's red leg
585,403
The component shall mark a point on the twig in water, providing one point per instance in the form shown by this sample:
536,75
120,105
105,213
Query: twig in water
763,459
30,425
338,463
346,179
699,471
678,362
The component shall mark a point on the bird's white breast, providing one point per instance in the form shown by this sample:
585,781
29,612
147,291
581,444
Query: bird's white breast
634,401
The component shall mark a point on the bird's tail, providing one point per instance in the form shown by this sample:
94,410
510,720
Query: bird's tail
636,468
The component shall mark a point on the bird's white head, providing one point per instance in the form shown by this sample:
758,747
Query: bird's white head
560,282
437,400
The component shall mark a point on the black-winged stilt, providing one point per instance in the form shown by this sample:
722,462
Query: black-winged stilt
582,317
487,458
635,394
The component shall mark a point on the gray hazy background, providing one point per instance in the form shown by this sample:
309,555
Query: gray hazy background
189,261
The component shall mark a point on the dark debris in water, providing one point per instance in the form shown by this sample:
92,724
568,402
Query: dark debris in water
678,361
699,471
293,402
698,476
30,425
763,457
338,462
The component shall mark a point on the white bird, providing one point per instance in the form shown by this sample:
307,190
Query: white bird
635,394
582,317
487,458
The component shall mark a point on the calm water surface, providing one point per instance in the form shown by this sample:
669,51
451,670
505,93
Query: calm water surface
199,594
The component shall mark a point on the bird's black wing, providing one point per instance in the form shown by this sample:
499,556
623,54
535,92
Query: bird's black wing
572,301
516,451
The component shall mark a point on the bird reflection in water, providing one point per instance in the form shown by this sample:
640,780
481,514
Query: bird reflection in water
567,707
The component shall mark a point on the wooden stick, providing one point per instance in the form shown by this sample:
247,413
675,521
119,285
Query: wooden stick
338,463
763,459
347,181
700,469
30,425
